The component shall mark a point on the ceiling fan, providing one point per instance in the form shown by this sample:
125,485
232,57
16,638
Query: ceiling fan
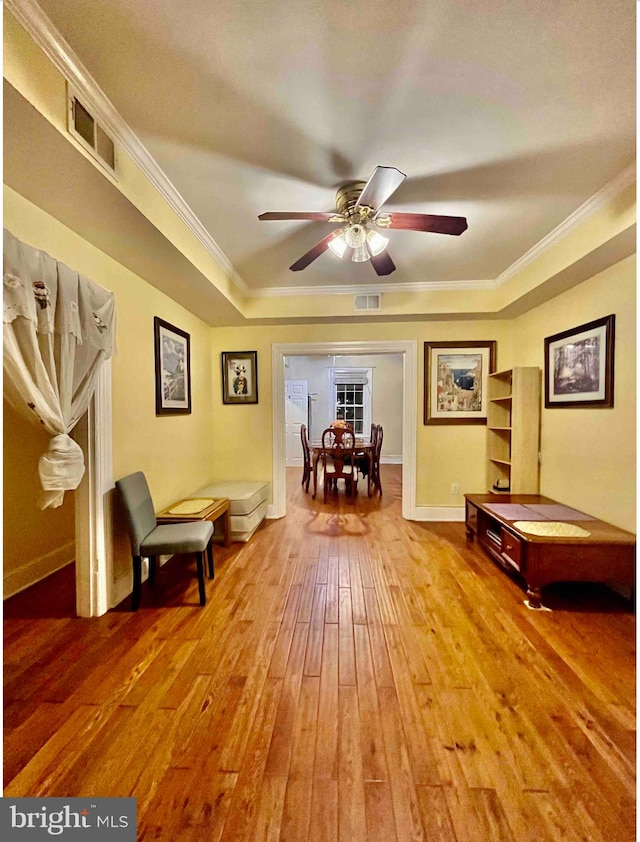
358,206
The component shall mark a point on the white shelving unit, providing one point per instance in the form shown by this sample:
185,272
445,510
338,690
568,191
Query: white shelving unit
513,431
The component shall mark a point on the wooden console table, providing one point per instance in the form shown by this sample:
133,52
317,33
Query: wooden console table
605,554
217,508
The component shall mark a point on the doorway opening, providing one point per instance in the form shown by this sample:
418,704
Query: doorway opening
408,350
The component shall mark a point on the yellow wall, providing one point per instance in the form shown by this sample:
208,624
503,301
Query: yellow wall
35,542
444,454
588,455
175,452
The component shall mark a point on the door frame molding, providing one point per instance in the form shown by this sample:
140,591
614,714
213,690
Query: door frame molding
409,350
94,545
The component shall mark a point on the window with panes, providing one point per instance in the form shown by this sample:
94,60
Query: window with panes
350,405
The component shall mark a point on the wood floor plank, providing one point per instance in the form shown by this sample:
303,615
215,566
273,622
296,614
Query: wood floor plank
381,823
435,814
351,802
313,656
281,745
404,795
269,820
423,763
324,810
357,595
207,810
40,776
296,813
233,751
352,676
243,811
346,655
326,758
374,762
379,651
163,818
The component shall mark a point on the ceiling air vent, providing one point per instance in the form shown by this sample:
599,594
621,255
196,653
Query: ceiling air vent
86,129
368,302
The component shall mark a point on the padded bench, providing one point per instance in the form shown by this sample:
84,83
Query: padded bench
247,503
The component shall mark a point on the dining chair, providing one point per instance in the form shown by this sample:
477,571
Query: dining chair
338,458
375,458
150,539
364,459
306,454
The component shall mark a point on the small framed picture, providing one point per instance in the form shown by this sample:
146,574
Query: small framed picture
456,376
173,369
240,377
578,366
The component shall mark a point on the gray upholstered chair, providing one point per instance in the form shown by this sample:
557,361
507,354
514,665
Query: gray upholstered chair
150,539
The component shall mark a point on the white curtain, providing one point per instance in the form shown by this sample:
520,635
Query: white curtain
59,327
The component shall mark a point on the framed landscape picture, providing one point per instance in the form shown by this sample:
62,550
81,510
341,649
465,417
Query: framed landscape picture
173,369
239,377
578,366
456,381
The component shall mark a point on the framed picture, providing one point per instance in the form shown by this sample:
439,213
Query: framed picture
578,366
240,377
173,369
456,375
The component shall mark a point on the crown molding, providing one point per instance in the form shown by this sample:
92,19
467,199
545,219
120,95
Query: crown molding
587,209
31,17
370,289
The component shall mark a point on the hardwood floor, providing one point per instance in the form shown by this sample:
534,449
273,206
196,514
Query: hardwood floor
353,676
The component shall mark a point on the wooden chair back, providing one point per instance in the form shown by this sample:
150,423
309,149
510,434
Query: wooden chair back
375,458
338,458
306,455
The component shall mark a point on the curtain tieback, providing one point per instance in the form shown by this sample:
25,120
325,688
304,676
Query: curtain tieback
61,469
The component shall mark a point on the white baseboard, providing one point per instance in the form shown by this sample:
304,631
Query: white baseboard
38,569
450,514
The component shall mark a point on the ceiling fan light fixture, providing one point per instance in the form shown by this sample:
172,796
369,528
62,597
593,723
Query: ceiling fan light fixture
376,242
360,254
358,205
338,245
355,235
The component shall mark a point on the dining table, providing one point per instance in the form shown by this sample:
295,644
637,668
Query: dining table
363,447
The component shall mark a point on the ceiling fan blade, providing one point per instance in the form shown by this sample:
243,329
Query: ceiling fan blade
315,252
425,222
382,263
322,217
383,182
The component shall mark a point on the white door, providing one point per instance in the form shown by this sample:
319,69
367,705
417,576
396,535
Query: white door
295,414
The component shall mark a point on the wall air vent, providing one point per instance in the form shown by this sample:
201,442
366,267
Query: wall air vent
368,302
86,129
